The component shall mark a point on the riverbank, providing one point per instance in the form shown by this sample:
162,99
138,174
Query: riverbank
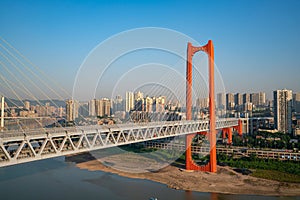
226,180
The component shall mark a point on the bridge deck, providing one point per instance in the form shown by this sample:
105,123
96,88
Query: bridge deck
30,145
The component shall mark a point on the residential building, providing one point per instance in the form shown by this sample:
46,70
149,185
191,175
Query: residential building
92,107
83,109
71,110
202,102
248,106
296,102
118,104
238,99
262,98
103,107
129,101
221,101
138,95
258,99
283,110
139,104
246,98
148,104
230,101
159,104
27,105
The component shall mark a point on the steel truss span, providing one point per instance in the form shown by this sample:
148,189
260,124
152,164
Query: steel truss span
30,145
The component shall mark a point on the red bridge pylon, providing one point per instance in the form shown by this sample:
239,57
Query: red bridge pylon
190,164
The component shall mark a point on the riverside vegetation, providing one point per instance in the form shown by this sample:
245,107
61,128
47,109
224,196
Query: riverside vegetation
283,171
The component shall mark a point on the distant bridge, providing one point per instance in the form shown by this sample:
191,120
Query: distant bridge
237,152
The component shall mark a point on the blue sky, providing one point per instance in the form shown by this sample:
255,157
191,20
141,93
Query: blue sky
256,42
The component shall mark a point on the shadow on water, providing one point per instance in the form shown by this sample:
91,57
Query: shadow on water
26,169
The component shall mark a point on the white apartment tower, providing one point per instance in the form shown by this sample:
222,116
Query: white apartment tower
138,95
129,101
283,110
71,110
92,107
102,107
262,98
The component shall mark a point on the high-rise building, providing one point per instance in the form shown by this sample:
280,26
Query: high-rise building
258,99
60,111
248,106
138,95
118,104
254,98
246,98
139,105
296,96
106,107
92,107
163,100
98,107
202,102
46,108
262,98
71,110
83,109
159,104
27,105
230,101
103,107
221,101
129,101
296,102
283,110
238,99
148,104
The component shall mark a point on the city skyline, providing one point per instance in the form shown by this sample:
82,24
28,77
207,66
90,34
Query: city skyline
254,109
246,56
131,99
243,97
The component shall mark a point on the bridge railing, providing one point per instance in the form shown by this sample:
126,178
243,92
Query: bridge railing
220,123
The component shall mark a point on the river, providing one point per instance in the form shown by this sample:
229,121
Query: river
57,179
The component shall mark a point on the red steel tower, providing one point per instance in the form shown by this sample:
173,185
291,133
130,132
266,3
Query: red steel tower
190,164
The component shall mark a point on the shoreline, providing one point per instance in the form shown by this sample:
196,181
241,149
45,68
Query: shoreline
225,181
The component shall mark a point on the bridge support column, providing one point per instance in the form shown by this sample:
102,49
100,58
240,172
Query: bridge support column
230,136
239,128
223,134
228,132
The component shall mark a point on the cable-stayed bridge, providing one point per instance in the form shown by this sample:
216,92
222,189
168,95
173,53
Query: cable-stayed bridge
29,145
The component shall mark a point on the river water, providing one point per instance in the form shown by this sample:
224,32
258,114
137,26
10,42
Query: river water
57,179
